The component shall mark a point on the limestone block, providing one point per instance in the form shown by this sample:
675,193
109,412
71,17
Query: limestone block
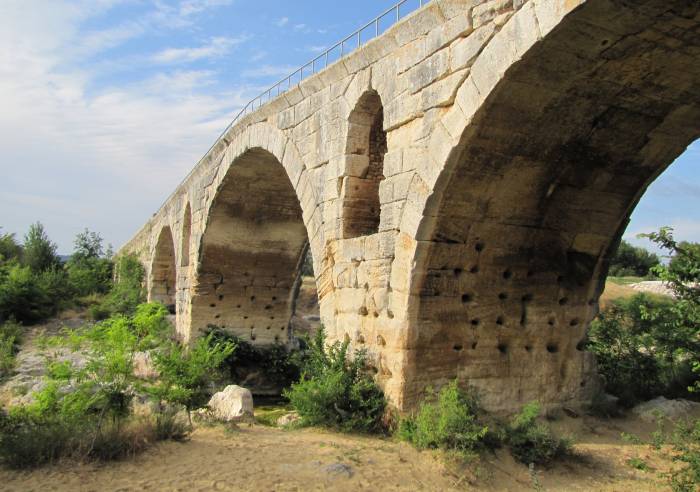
465,50
428,71
550,12
417,24
390,216
410,55
393,162
443,92
444,34
402,110
484,13
294,96
356,165
232,404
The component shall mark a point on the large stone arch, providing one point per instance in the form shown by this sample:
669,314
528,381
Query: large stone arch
162,284
259,221
566,117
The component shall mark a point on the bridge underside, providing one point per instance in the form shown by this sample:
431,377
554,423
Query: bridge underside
461,183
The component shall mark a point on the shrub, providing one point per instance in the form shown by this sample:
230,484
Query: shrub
38,252
447,421
185,373
278,365
127,291
686,445
88,270
531,441
10,336
630,261
9,248
335,391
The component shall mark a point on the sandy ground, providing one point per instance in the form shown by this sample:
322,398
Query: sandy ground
267,459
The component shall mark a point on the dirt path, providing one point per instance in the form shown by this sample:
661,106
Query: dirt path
263,458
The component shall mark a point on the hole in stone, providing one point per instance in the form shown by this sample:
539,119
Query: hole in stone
380,340
221,297
560,279
217,316
458,272
363,311
238,306
503,348
268,328
476,321
375,314
474,344
551,321
503,296
583,383
528,348
530,273
282,328
272,317
268,307
552,348
591,302
252,298
274,298
245,274
500,320
253,336
581,346
574,322
457,348
526,298
360,339
390,314
245,317
277,338
604,42
212,305
437,293
474,269
479,247
466,298
507,274
563,301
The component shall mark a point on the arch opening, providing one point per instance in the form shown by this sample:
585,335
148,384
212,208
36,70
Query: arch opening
536,197
186,236
163,283
252,253
366,147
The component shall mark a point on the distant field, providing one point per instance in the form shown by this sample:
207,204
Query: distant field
626,280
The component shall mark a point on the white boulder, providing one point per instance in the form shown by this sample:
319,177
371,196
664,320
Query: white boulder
662,407
232,404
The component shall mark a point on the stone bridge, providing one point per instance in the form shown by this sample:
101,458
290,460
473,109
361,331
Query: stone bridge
461,182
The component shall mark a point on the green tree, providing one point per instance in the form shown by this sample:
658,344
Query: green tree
9,248
88,270
631,261
39,253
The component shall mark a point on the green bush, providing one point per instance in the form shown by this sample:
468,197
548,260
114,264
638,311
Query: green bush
686,447
277,365
336,391
89,271
186,373
533,442
38,251
127,291
630,261
10,337
448,420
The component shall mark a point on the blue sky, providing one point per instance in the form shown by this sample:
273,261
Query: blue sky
105,105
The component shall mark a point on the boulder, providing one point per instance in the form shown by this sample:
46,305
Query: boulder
232,404
672,409
288,419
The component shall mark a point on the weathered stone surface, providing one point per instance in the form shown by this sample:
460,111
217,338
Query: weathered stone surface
661,407
144,367
459,182
232,404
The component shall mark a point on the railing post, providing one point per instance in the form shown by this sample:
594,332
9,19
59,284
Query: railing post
359,42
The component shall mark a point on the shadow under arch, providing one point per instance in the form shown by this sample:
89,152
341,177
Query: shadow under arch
537,194
163,277
251,252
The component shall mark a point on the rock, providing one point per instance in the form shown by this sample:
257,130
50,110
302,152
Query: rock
672,409
144,367
570,412
232,404
654,287
288,419
339,469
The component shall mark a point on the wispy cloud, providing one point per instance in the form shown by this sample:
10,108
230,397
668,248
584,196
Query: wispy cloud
281,22
269,71
214,48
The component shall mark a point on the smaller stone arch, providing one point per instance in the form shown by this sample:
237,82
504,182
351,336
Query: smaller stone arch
163,278
365,149
186,237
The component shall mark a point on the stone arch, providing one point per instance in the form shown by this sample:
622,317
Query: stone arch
186,237
365,149
564,121
163,274
253,246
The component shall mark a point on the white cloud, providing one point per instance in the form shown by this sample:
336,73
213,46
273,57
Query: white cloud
299,27
281,22
269,71
214,48
190,7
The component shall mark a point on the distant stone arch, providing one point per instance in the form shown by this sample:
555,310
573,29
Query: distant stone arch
365,149
163,278
186,236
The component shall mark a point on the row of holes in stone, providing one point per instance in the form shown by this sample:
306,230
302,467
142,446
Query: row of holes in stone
552,348
501,320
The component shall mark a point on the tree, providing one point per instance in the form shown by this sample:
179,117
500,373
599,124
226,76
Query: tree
88,271
630,261
39,252
88,244
9,248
